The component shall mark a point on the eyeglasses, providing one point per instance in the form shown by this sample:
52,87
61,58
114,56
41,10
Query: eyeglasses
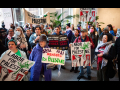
11,31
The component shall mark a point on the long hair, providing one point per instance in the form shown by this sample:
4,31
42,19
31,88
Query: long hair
93,32
109,25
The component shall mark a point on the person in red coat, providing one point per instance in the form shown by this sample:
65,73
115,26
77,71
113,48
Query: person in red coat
84,38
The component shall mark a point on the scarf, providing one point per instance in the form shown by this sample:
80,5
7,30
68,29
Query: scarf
9,37
106,50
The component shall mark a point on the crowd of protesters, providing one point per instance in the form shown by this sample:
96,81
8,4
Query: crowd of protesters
28,42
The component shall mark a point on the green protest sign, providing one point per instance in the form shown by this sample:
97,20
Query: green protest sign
53,56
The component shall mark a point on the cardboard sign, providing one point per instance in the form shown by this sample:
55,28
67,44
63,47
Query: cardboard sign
81,54
12,67
53,56
58,42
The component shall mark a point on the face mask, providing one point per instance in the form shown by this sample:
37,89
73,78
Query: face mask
17,33
91,30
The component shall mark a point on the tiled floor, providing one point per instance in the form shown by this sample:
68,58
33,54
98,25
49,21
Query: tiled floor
66,75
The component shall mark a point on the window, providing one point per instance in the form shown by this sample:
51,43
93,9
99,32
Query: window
69,11
18,16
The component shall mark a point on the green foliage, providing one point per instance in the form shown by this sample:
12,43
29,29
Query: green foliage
55,19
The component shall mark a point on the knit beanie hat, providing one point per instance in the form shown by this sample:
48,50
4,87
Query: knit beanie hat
43,38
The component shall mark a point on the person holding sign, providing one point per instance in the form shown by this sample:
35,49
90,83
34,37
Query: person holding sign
39,68
12,45
57,32
84,38
76,34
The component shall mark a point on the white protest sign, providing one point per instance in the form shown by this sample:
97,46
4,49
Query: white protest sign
49,31
81,54
53,56
33,19
12,67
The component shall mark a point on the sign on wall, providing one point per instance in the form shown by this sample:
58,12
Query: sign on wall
81,54
7,15
87,14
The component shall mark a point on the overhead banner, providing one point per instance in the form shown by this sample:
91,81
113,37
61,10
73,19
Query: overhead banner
33,19
12,67
53,56
58,42
87,14
81,54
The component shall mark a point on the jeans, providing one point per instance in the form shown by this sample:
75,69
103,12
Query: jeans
88,71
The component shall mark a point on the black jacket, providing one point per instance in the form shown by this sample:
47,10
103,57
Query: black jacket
94,39
2,48
117,48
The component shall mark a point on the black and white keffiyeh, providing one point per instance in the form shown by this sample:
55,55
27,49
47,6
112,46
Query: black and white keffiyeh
106,50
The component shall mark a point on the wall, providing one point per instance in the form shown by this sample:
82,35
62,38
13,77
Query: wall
109,16
1,16
49,9
76,20
7,15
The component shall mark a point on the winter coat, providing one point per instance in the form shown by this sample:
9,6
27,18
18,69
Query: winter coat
36,55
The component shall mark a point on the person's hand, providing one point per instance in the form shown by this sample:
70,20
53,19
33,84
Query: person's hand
91,44
18,43
22,46
37,38
100,55
26,72
70,45
63,32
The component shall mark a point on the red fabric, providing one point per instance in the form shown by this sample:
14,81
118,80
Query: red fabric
87,39
87,11
99,61
81,13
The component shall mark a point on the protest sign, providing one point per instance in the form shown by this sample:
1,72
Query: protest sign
58,42
81,54
33,19
12,67
49,31
53,56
